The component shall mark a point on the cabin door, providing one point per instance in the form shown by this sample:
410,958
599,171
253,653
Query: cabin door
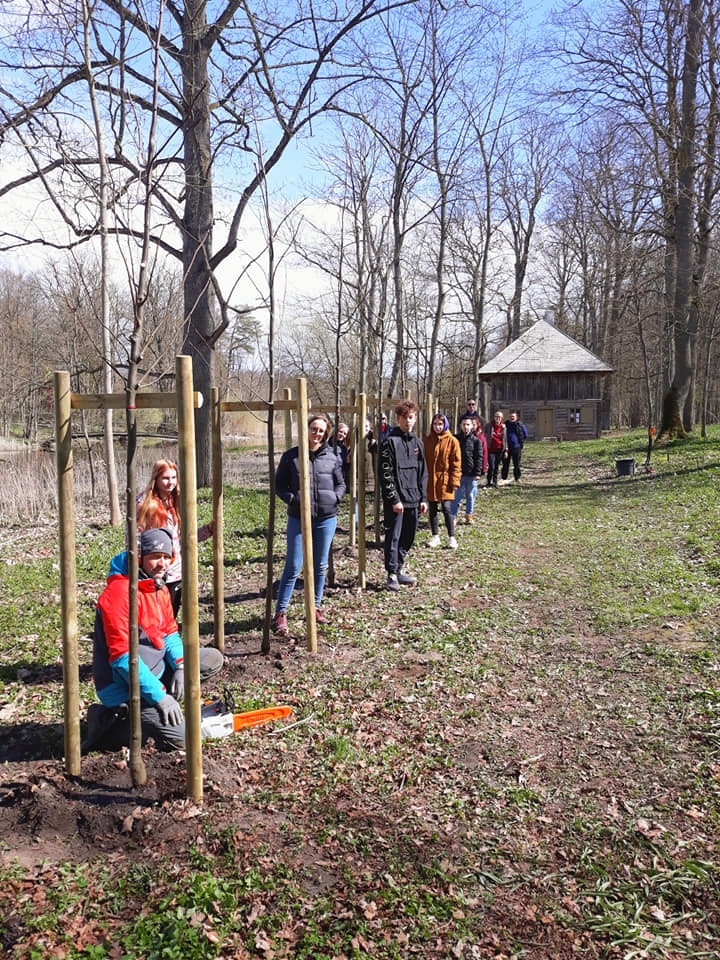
544,422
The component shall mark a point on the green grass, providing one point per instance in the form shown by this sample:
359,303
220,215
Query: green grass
527,747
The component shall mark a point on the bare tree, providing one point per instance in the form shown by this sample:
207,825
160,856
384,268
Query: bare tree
527,159
646,73
282,67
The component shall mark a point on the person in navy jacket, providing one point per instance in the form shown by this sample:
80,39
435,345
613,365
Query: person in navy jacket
516,437
327,488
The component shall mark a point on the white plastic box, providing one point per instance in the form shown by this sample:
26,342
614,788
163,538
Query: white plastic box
219,725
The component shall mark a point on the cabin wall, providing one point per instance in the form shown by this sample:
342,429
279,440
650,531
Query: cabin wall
566,406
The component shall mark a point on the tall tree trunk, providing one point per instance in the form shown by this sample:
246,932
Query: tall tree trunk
197,228
685,320
104,192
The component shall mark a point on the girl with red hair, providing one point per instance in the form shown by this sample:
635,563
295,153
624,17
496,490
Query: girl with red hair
158,507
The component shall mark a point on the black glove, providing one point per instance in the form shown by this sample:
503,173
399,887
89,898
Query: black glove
170,713
177,684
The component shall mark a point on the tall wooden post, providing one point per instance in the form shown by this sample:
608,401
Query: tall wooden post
287,395
68,573
189,546
354,441
361,462
219,521
426,427
306,516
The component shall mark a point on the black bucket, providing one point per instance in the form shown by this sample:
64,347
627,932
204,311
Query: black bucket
625,466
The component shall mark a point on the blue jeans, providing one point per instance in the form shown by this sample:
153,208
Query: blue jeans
323,532
468,491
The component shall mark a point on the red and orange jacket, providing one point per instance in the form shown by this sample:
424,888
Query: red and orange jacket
160,645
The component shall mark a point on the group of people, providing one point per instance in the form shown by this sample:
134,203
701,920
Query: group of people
431,476
502,442
436,475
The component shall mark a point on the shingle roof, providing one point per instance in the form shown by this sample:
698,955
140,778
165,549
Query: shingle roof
544,349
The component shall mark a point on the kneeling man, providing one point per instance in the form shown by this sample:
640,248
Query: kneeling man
160,648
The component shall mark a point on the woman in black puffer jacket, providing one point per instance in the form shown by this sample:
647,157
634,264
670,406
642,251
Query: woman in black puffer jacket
327,488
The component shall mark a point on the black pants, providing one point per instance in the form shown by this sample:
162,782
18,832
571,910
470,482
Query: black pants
515,455
400,530
494,461
446,507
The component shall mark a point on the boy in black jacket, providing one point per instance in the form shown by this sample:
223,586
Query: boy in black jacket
473,461
403,480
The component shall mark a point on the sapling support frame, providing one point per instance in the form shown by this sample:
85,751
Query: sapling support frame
65,402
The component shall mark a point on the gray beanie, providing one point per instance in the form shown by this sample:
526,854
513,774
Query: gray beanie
157,540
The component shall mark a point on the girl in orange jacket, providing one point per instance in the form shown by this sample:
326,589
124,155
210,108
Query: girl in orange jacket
442,454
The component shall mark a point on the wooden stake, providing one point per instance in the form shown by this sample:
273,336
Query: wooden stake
68,573
306,516
188,544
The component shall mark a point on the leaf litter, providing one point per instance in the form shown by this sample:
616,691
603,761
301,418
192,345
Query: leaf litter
469,771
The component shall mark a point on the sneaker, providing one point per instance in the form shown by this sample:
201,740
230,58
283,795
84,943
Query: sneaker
452,543
406,579
393,582
280,624
434,541
320,616
468,519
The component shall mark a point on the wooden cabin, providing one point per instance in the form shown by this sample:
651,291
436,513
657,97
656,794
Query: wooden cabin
551,380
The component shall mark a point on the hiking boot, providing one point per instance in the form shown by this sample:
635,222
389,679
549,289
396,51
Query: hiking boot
320,616
468,519
406,579
100,723
452,543
434,541
280,624
393,582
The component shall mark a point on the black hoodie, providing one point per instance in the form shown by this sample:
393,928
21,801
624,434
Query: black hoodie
403,473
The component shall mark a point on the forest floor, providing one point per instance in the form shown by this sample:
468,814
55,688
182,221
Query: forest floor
518,757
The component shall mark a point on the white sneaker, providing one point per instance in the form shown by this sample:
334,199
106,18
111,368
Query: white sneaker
434,541
452,543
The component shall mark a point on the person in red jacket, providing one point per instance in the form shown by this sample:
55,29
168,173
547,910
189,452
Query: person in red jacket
160,665
496,436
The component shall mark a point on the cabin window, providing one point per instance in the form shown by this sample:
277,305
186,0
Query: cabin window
574,415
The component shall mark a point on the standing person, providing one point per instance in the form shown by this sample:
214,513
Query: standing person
373,444
516,437
340,443
327,488
473,465
442,456
471,411
496,437
158,507
160,663
403,480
